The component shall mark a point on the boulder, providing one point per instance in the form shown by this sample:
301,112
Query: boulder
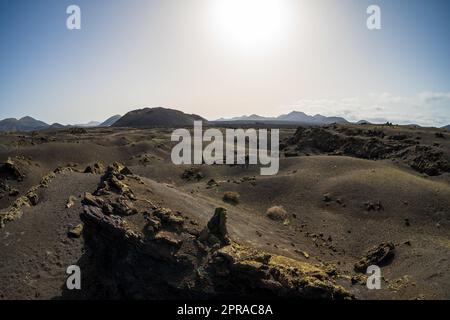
379,255
11,169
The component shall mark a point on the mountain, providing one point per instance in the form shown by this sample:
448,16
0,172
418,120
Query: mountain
446,127
292,117
253,117
110,121
156,117
295,116
23,124
90,124
56,126
328,120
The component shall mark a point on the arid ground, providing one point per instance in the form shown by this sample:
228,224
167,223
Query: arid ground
111,201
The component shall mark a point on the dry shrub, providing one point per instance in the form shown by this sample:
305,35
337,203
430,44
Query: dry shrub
276,213
231,197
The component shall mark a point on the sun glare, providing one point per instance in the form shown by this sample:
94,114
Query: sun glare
250,24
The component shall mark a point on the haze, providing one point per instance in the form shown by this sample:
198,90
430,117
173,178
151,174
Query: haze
224,58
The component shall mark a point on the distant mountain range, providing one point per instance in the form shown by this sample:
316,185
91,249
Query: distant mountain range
90,124
292,117
23,124
31,124
163,117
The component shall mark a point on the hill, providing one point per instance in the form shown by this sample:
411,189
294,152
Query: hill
156,117
110,121
23,124
90,124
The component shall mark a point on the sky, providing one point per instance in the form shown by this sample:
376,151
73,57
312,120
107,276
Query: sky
225,58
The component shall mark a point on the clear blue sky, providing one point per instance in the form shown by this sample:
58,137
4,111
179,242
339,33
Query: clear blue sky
217,60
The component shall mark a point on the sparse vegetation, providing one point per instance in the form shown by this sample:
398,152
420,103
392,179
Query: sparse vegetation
231,197
276,213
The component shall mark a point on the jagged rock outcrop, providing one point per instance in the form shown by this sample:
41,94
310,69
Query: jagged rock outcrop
157,254
113,195
216,231
369,144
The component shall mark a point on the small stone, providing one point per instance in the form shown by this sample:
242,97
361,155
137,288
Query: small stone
71,202
327,197
76,231
212,183
374,206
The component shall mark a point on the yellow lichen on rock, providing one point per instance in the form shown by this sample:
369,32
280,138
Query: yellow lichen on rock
282,275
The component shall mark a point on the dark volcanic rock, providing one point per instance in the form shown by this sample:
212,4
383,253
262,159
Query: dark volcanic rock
96,168
379,255
370,144
111,181
78,131
11,170
373,206
429,160
212,183
215,231
192,174
33,198
160,262
113,195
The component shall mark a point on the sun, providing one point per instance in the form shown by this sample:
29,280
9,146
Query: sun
250,24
